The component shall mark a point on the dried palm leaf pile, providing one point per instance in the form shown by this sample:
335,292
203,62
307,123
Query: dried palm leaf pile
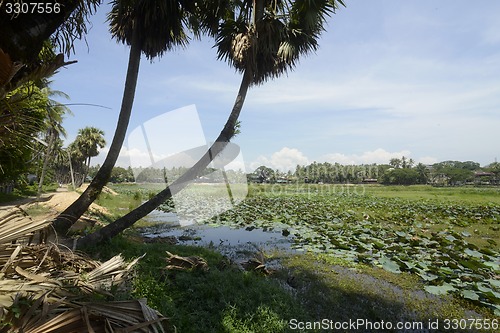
48,288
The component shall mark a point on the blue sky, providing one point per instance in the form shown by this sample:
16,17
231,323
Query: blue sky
391,78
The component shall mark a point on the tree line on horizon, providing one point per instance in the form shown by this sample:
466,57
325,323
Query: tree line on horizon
399,171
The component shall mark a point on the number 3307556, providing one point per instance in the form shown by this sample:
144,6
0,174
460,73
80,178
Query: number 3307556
21,7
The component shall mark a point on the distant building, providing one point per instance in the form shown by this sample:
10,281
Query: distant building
484,178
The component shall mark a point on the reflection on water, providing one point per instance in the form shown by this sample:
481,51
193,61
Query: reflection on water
229,241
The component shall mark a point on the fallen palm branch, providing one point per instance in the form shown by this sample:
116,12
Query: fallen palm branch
179,263
117,316
16,225
47,288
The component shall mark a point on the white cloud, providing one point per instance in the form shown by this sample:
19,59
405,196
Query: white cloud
288,158
378,156
284,160
140,158
427,160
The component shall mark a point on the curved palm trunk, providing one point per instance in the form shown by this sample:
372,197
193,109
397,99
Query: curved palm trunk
113,229
68,217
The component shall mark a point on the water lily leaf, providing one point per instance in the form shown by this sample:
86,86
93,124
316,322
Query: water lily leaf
472,264
450,238
488,251
497,311
389,265
470,294
427,276
493,265
473,253
494,282
339,245
401,234
440,290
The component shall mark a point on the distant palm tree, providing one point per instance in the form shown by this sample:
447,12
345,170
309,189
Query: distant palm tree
88,142
395,163
152,27
423,173
53,123
262,39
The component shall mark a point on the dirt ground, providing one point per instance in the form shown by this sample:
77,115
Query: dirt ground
61,199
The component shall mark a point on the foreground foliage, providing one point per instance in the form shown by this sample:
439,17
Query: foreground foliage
47,288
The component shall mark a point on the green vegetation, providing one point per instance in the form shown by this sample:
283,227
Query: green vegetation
308,287
224,299
25,190
368,252
401,171
451,244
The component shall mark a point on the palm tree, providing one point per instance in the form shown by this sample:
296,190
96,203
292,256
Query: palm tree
395,162
22,115
87,144
423,173
262,39
152,27
53,123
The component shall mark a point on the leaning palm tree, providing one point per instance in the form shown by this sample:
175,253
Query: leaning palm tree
262,39
152,27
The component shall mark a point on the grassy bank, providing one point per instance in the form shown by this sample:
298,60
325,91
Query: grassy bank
307,288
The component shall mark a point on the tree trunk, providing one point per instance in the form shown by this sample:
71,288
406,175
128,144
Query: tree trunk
67,218
71,171
114,228
46,159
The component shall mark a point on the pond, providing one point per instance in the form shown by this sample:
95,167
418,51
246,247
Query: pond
236,243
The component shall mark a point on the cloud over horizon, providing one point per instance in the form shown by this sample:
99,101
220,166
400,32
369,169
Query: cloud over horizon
287,158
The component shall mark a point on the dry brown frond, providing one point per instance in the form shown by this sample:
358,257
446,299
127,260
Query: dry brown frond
42,286
176,262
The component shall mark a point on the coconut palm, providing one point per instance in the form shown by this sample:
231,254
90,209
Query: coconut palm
395,162
152,27
262,39
87,144
22,115
53,123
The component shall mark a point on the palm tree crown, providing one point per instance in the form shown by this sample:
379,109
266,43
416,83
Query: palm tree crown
159,23
267,37
88,142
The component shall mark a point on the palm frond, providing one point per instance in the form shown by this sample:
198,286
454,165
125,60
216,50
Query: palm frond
41,286
160,24
271,45
14,225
